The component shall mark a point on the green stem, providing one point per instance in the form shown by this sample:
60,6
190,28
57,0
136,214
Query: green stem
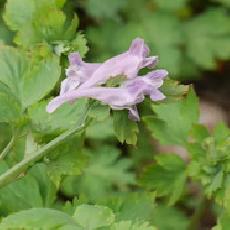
7,149
13,173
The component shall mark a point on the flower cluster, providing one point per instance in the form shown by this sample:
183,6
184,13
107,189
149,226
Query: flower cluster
89,80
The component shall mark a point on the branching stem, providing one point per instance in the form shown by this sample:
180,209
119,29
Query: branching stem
13,173
7,149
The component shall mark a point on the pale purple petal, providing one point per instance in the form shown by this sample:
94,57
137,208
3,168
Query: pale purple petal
128,64
68,85
79,70
86,79
157,95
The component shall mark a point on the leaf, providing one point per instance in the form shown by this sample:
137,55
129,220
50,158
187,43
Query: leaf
28,79
39,218
57,121
128,225
221,133
6,35
100,129
66,159
176,220
103,172
169,5
172,89
42,21
46,186
174,120
124,128
135,206
104,8
210,163
17,15
93,217
10,106
203,39
40,80
167,177
20,195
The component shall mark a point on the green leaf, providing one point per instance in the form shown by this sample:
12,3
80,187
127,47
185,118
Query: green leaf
28,78
167,177
6,35
176,220
21,194
100,129
10,106
103,172
39,218
173,90
199,132
136,206
124,128
66,159
40,80
104,8
42,21
169,5
45,122
203,39
174,120
210,162
17,15
128,225
46,186
221,133
93,217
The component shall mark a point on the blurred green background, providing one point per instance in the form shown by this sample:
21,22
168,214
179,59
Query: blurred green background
192,39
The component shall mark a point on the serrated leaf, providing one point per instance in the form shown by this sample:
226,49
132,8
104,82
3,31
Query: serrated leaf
176,220
20,195
42,21
136,206
10,106
124,129
93,216
46,186
174,120
203,39
28,79
35,218
104,8
45,122
103,171
173,90
167,177
66,159
17,15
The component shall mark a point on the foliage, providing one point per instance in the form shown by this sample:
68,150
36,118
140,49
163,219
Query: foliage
86,166
185,41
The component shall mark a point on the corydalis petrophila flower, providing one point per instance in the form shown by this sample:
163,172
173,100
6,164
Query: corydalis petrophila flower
87,80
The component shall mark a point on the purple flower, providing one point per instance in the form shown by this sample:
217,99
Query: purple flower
85,80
